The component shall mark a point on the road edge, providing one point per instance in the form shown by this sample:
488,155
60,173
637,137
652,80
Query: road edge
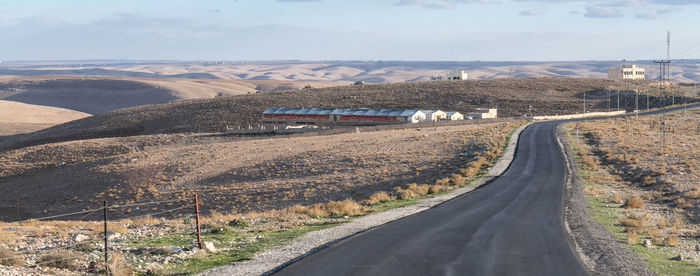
599,251
272,260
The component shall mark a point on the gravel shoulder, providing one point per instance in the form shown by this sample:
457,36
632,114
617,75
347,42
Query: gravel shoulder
272,260
598,249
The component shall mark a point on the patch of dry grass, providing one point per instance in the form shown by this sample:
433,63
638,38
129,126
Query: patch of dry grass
8,257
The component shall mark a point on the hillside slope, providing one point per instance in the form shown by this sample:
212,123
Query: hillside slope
16,117
513,97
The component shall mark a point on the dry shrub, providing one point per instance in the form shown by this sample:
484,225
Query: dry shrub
616,198
592,190
442,181
631,223
315,210
116,227
657,241
147,220
632,237
117,265
346,207
418,189
456,180
60,259
678,223
672,241
401,193
434,189
634,202
682,203
8,257
661,223
692,194
378,197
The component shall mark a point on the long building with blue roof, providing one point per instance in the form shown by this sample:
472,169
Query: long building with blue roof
340,116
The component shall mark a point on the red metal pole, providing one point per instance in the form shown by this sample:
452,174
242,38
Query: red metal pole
196,212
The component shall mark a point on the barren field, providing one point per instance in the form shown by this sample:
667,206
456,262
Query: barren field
237,175
18,117
249,190
643,177
512,97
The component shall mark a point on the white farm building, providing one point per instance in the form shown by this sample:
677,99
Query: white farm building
490,113
627,72
340,116
453,116
434,115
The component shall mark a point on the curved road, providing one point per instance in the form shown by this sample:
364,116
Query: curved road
512,226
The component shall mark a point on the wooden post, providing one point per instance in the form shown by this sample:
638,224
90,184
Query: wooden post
196,213
105,230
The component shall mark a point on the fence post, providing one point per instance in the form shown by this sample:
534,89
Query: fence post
196,213
105,223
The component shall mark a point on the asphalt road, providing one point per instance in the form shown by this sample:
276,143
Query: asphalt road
512,226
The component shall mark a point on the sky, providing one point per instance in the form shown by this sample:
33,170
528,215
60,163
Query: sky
417,30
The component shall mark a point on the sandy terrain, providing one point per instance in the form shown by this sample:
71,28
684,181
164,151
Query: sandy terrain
233,175
18,117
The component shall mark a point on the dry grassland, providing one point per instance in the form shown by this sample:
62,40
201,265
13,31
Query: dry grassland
248,188
649,167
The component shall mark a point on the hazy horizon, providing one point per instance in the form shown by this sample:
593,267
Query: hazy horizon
315,30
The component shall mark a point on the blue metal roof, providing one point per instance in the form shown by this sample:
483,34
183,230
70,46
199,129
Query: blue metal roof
342,111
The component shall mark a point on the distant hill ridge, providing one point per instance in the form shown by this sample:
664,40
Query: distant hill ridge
512,97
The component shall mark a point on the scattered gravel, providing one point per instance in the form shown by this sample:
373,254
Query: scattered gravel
272,260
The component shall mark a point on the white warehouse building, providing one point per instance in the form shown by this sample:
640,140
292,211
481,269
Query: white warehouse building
340,116
627,72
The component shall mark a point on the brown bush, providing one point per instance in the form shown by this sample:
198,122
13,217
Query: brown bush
456,179
60,259
117,265
8,257
672,241
346,207
657,241
434,189
634,202
682,203
418,190
378,197
616,198
442,181
632,237
631,223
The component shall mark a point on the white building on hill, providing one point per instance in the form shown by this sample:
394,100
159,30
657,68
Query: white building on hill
457,75
627,72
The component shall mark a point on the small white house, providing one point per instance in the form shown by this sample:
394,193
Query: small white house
454,116
457,75
434,115
490,113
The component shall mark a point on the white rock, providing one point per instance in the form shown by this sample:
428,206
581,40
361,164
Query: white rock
80,237
647,243
209,246
113,236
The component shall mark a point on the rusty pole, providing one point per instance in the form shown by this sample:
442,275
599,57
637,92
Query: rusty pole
105,222
196,213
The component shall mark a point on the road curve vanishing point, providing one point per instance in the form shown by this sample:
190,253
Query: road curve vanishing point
512,226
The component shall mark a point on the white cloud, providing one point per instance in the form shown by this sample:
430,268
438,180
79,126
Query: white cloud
658,14
532,12
602,12
442,4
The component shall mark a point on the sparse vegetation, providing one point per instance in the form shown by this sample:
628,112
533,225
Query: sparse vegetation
625,159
